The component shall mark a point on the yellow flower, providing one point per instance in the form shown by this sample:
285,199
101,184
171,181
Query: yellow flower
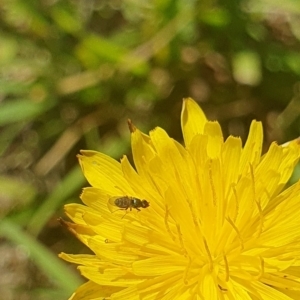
219,226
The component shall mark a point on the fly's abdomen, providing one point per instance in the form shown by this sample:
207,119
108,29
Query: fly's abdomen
123,202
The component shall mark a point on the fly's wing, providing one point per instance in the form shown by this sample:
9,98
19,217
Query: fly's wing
111,203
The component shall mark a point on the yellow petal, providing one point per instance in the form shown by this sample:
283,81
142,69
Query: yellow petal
192,120
80,259
283,222
110,277
251,153
92,291
143,188
231,155
238,292
159,265
104,172
96,199
142,152
267,292
209,287
215,139
153,289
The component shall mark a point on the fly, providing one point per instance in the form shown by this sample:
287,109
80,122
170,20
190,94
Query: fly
127,202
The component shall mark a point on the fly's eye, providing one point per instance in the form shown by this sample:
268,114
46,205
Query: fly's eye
145,203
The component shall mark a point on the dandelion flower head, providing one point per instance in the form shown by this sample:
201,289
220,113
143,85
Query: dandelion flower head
220,223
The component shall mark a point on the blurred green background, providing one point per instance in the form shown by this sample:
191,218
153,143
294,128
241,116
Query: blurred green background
73,72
